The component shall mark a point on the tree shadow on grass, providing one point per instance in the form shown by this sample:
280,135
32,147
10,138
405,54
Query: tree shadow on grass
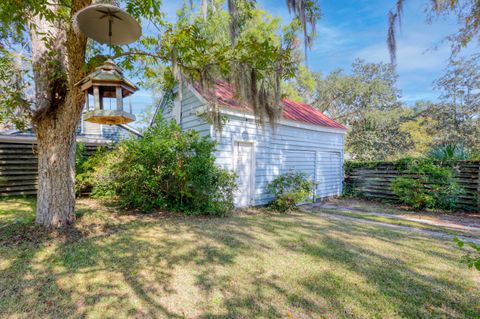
413,294
27,292
25,231
418,289
146,266
126,265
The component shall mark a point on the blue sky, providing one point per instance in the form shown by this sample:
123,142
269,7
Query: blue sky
351,29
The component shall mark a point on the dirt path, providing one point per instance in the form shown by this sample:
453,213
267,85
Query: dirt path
434,222
315,208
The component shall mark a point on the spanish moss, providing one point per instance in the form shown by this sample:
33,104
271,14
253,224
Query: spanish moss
394,19
308,12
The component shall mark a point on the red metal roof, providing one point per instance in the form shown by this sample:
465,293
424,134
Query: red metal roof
294,111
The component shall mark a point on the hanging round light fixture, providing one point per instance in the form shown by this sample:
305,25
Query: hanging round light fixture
108,24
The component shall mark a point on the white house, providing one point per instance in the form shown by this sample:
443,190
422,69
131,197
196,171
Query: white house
304,139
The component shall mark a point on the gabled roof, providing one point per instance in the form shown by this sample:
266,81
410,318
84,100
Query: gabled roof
294,111
108,72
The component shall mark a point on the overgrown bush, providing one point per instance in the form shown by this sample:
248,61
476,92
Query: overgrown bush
166,168
430,185
85,167
290,189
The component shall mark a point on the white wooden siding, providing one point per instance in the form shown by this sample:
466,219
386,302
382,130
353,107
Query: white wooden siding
189,119
286,148
329,173
166,108
301,160
91,129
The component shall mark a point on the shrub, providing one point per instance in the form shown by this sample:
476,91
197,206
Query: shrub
448,153
430,185
411,192
85,167
290,189
166,168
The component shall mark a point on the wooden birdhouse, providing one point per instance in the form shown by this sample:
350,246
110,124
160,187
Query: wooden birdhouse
107,84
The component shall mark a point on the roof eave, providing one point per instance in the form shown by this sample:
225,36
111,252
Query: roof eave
225,110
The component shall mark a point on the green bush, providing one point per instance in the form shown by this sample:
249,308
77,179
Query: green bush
166,168
411,192
430,185
289,189
85,167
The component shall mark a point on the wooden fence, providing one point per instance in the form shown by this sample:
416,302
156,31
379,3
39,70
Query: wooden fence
18,164
373,181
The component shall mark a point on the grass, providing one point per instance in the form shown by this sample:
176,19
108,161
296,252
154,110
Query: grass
257,265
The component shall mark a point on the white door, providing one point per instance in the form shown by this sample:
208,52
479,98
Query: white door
329,173
244,168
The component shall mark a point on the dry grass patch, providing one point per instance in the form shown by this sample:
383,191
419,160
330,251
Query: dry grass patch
252,265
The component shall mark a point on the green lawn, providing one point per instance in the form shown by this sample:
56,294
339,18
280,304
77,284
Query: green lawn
251,265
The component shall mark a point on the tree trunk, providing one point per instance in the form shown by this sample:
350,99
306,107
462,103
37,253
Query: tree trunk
56,173
58,57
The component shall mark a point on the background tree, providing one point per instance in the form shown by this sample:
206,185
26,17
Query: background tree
378,136
367,101
458,113
454,119
256,57
419,125
13,99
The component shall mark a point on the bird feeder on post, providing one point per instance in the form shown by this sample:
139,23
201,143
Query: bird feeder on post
106,23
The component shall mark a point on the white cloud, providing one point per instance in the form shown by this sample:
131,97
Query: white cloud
412,55
329,39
